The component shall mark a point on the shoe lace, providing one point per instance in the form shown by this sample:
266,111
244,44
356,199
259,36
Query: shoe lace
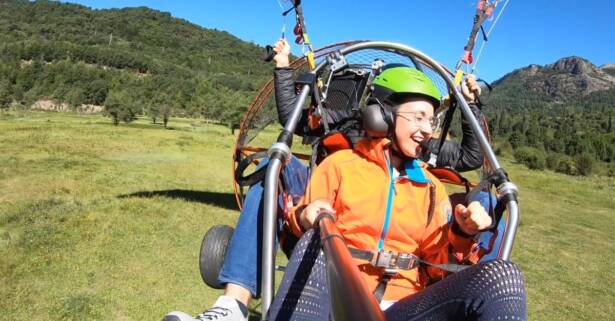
213,314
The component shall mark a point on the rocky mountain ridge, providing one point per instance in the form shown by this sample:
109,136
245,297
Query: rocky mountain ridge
565,79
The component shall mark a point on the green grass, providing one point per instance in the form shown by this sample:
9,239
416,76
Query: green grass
74,243
104,223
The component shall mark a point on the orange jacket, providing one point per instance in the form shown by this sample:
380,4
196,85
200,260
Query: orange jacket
356,183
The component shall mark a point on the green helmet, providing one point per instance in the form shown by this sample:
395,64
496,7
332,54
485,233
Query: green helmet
401,80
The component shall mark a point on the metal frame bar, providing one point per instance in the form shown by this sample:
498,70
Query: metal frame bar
280,151
351,300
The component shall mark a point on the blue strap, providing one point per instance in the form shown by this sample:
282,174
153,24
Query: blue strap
387,216
413,173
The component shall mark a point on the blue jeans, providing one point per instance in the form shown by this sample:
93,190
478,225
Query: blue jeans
242,263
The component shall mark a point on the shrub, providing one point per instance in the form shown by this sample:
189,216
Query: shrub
531,157
553,160
503,148
566,166
584,164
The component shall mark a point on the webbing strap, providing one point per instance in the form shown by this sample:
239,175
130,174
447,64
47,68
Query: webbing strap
369,255
448,119
382,286
256,176
411,261
387,215
482,186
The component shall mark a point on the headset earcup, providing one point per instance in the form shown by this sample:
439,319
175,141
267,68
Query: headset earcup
377,121
388,118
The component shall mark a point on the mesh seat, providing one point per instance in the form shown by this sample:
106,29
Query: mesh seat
493,290
304,293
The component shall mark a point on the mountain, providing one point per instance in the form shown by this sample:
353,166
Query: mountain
565,83
72,54
609,69
557,116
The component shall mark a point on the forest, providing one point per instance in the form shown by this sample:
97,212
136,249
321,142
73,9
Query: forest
142,62
134,61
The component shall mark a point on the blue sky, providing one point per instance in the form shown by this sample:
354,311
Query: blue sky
529,32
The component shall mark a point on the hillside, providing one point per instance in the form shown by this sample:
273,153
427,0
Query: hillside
609,69
562,84
142,57
557,116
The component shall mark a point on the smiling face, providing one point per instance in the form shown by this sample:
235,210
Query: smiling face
413,124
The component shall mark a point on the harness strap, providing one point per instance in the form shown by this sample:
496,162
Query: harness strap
255,177
432,203
382,285
485,185
448,119
387,214
391,264
400,261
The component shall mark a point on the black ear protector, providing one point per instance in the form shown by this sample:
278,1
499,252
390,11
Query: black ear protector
378,120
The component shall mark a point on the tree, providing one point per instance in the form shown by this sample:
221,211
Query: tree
120,107
234,108
166,108
75,98
113,105
517,139
95,92
153,111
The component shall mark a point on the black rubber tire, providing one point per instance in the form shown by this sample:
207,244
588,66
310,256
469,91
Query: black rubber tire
213,250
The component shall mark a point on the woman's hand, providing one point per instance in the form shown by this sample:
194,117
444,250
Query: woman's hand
282,50
310,213
470,89
472,219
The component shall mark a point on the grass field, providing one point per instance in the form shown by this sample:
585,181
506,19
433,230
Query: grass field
104,223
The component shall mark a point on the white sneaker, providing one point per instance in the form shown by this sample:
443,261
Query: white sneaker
226,308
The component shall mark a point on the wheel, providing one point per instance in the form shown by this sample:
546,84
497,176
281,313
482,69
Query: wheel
213,250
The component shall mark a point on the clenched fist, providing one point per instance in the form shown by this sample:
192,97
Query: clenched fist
472,219
282,51
470,88
311,211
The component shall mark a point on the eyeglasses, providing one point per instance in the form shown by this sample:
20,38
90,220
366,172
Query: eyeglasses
420,119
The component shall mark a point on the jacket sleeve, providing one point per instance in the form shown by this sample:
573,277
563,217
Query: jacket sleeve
285,97
462,157
439,240
323,185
